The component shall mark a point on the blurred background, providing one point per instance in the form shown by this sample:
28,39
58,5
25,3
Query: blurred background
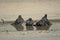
10,9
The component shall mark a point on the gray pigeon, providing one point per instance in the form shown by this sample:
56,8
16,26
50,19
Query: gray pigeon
19,20
29,22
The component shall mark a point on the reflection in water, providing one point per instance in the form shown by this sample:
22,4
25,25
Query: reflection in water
18,27
29,28
43,27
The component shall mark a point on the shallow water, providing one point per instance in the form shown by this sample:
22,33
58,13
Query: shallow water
8,27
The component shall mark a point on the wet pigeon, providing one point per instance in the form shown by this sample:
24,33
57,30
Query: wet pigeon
44,21
29,22
19,20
